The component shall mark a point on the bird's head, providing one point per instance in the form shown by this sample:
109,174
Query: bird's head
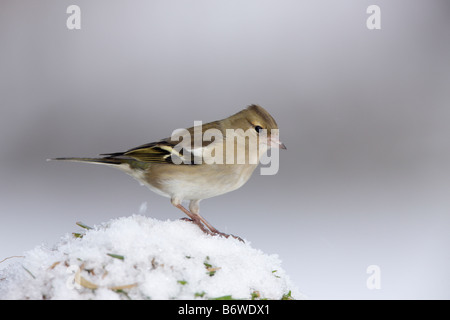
260,123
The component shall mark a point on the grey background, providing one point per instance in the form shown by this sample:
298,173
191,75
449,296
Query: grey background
364,114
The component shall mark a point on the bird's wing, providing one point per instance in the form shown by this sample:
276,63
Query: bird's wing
157,152
185,146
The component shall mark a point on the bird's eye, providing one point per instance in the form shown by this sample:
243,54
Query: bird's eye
258,129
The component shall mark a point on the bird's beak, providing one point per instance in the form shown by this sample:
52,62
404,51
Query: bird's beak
276,143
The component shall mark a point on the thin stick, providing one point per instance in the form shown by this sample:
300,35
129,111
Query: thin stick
11,258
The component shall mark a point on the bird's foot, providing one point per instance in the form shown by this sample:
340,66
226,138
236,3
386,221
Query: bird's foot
214,232
218,233
199,224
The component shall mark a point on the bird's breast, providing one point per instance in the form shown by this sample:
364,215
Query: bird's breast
192,182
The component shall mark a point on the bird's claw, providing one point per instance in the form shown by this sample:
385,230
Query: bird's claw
214,233
198,223
218,233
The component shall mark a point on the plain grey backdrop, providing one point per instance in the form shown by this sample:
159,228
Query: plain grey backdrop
364,113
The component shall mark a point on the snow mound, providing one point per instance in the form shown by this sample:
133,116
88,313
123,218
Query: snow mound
142,258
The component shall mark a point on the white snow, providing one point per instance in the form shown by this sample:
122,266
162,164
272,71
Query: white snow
142,258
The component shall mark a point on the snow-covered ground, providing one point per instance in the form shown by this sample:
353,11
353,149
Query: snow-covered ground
142,258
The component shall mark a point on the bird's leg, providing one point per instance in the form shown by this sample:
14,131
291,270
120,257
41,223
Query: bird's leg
195,208
194,218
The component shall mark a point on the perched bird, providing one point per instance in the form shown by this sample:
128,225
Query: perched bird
200,162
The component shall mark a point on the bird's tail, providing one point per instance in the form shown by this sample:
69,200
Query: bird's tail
105,160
